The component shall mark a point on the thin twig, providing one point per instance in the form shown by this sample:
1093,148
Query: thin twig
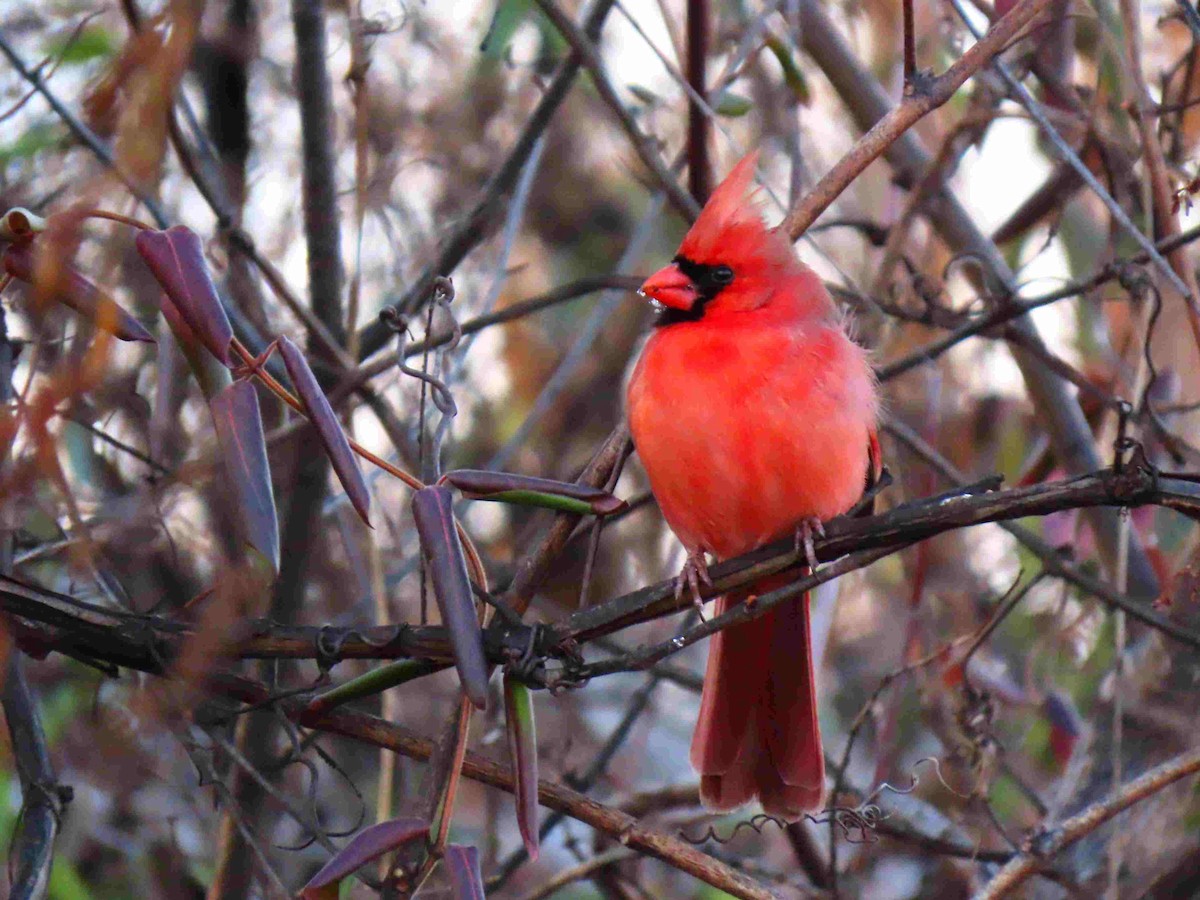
684,204
1039,850
1058,408
472,228
1022,96
917,104
699,168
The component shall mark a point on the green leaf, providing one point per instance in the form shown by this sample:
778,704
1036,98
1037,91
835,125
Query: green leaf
371,683
732,105
522,749
506,20
646,95
66,883
549,501
80,47
793,77
33,141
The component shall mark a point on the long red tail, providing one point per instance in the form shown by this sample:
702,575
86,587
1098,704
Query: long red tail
758,734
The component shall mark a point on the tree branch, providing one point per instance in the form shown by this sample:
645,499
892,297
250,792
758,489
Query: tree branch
1055,403
1042,847
922,99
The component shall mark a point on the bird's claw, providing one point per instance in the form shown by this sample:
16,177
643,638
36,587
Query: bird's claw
695,570
804,539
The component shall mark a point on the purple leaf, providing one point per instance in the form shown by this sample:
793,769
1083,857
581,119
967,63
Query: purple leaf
522,747
1066,726
329,430
434,515
80,294
244,452
369,844
176,259
184,336
462,866
482,485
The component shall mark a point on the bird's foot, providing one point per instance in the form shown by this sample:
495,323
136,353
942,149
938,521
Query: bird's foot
804,539
695,570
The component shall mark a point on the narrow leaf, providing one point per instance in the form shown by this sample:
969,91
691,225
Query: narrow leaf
369,844
526,490
462,867
1066,727
732,105
522,748
434,516
646,95
184,336
793,76
80,295
176,259
373,682
244,452
329,430
545,501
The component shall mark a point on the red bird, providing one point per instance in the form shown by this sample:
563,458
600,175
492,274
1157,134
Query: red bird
753,413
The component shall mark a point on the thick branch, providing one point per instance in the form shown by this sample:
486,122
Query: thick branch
49,621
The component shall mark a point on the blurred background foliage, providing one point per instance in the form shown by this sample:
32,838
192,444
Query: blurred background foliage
442,93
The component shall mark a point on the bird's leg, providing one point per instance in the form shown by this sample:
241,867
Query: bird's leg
804,538
695,570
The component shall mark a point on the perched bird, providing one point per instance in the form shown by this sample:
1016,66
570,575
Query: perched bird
753,413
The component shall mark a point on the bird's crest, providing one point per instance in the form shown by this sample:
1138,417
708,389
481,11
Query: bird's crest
731,227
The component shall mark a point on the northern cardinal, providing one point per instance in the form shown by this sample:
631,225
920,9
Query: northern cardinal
753,413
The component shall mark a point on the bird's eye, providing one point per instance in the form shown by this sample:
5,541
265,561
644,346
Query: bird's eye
722,275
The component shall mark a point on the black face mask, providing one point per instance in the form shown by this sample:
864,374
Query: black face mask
709,281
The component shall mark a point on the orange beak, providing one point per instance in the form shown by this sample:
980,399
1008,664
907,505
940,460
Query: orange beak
670,287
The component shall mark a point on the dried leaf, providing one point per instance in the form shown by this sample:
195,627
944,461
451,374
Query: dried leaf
244,452
462,867
19,224
434,516
522,748
329,430
369,844
526,490
101,104
176,259
79,294
148,95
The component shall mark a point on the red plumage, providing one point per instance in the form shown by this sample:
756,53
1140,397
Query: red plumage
752,412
